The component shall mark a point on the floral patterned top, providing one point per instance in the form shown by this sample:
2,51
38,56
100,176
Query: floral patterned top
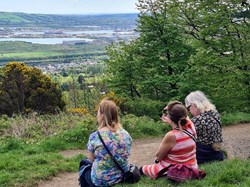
208,127
104,171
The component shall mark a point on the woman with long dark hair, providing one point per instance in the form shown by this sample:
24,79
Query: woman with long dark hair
176,147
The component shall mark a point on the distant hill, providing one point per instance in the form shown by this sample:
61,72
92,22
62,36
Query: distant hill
113,21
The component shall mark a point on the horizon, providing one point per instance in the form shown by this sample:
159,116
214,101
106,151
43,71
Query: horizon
68,14
70,7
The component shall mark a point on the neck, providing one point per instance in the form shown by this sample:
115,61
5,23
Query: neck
173,125
106,128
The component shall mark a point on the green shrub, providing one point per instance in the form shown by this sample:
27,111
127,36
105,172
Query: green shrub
143,127
143,107
32,90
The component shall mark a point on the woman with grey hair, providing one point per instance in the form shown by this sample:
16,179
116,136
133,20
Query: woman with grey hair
208,127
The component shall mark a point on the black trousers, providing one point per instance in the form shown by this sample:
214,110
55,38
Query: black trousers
206,153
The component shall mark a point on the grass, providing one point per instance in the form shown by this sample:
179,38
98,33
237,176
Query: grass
235,118
30,54
29,148
21,168
27,50
228,173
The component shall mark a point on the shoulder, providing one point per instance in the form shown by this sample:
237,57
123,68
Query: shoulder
121,130
214,113
170,136
189,125
199,118
124,133
93,136
210,115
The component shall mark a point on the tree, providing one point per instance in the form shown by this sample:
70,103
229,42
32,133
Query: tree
184,46
124,73
24,88
151,66
220,33
74,92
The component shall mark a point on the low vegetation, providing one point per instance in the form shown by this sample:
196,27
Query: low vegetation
30,145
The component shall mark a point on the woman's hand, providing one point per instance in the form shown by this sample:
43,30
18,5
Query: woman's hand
91,156
165,119
156,161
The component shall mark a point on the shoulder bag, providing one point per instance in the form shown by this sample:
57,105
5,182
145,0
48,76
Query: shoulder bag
132,175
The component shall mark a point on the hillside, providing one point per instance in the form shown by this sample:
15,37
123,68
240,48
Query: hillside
112,21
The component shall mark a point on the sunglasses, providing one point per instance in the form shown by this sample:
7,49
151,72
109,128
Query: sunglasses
189,106
165,112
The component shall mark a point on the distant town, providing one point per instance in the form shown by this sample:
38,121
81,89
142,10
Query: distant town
79,36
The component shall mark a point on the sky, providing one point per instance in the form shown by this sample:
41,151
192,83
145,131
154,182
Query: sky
69,6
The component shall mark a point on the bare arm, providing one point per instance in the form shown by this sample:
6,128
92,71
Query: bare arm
91,156
167,143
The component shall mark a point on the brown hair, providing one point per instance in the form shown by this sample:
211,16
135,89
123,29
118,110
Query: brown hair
109,111
177,113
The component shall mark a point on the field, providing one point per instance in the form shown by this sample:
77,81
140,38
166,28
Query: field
37,54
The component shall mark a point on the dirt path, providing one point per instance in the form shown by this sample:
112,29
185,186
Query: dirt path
236,143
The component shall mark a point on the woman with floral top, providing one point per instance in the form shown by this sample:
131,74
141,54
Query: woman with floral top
208,127
104,172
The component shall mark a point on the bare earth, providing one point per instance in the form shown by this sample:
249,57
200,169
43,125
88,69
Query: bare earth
236,143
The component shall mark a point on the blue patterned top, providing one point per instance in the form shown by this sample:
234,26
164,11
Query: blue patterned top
104,171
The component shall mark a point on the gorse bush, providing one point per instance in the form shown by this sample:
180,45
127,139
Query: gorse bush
24,89
80,111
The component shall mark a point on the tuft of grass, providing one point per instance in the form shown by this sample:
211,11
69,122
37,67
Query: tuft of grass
234,118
